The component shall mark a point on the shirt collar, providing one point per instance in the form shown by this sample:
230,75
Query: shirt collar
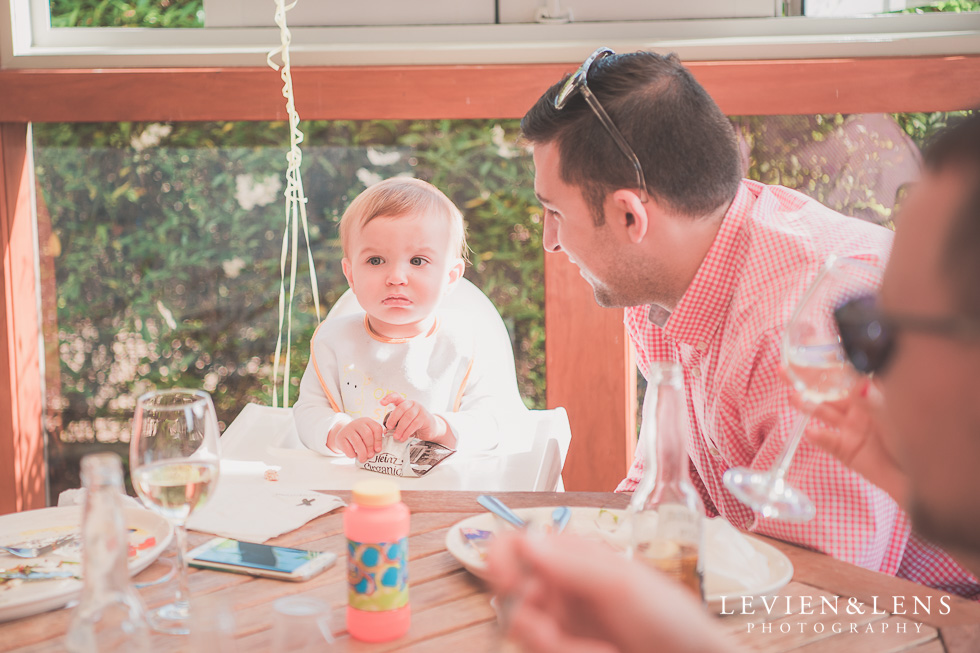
702,308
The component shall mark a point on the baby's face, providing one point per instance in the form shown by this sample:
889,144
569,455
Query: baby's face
399,269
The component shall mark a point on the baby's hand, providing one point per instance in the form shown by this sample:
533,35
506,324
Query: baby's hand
359,439
410,418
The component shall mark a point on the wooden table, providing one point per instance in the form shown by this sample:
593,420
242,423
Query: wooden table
451,610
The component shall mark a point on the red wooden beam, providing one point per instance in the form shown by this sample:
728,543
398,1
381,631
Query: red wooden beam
22,473
897,84
591,372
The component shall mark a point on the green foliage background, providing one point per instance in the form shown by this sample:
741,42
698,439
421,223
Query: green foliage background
143,232
116,13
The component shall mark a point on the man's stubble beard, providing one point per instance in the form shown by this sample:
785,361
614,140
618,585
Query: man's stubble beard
633,290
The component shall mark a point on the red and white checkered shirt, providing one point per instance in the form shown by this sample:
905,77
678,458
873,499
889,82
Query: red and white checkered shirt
725,332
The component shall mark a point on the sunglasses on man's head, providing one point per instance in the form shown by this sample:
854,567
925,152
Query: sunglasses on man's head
578,82
868,335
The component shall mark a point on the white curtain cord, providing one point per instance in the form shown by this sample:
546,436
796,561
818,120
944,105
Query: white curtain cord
295,213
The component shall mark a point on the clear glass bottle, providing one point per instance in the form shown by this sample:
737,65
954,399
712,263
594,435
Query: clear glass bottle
666,511
110,615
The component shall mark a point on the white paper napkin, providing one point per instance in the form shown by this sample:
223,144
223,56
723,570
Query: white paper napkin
76,497
729,558
728,553
248,506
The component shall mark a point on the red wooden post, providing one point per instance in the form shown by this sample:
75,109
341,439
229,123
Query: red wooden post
22,476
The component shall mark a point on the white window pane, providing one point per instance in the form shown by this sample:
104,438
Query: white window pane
325,13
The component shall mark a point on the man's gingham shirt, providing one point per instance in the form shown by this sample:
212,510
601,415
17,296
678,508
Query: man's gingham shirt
726,332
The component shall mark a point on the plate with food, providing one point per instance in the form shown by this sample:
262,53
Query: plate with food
736,564
32,585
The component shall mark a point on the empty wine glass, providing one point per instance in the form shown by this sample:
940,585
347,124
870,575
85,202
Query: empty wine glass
815,363
173,459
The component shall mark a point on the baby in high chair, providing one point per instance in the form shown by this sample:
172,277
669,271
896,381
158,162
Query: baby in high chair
406,366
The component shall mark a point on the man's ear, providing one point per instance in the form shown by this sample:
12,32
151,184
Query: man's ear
632,213
348,272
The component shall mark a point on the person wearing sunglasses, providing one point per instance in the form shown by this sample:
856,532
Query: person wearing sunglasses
913,426
921,341
640,177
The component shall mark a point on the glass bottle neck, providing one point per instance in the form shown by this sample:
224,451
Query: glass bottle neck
106,543
663,438
110,615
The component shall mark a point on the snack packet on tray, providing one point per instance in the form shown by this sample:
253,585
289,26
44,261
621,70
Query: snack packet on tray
411,458
478,539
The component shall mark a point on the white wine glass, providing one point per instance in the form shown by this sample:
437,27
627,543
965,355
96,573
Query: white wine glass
817,367
173,459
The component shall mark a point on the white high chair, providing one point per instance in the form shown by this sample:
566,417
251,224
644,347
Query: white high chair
263,437
538,437
552,435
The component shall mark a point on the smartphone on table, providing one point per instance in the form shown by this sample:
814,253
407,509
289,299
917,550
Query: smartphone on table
263,560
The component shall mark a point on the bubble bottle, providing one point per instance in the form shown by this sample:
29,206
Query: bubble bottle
376,526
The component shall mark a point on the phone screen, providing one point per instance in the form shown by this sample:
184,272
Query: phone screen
256,556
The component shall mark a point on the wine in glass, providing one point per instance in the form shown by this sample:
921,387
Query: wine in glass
815,363
173,458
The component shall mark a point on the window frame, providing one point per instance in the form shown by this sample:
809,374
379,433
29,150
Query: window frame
28,41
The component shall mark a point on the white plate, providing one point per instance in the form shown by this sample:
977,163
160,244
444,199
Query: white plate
603,524
26,598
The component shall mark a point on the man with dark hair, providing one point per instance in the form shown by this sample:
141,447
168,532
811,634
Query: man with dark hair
692,170
922,340
639,175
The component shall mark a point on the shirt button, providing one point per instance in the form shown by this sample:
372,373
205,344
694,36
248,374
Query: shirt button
696,372
714,452
702,346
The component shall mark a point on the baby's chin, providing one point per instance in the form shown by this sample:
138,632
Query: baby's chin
398,316
399,326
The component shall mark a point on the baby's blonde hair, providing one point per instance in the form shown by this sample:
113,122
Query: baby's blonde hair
402,197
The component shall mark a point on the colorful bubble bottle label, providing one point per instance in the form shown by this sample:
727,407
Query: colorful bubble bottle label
377,575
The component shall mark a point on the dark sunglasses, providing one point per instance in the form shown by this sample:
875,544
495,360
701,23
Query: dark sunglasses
578,82
868,335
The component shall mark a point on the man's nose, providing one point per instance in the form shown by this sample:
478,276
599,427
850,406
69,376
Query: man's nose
549,238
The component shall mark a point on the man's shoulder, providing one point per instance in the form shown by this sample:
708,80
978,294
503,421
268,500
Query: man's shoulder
786,210
788,233
787,237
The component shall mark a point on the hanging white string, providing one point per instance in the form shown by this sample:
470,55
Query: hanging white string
295,212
